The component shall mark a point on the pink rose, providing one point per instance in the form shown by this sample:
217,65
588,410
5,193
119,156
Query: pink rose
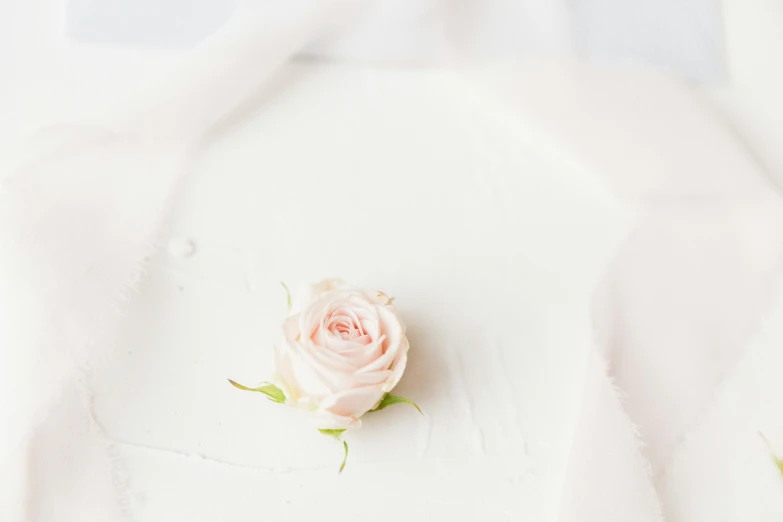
344,349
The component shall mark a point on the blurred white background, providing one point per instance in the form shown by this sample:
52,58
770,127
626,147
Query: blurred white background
63,58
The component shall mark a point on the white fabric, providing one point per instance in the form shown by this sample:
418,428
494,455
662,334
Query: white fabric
77,221
686,293
680,314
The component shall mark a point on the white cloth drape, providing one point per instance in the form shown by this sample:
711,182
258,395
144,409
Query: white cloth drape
682,304
53,231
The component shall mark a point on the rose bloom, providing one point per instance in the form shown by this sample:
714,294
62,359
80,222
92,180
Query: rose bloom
343,349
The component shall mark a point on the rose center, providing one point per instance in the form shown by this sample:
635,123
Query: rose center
343,327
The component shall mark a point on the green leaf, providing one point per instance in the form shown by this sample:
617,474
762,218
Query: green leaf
390,399
272,392
335,434
287,295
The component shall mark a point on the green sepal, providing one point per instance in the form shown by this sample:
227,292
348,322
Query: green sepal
389,399
287,295
272,392
345,458
778,461
335,434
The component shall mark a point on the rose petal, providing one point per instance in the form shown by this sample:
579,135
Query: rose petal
398,366
291,328
352,403
286,373
326,420
306,377
372,378
391,328
331,361
307,293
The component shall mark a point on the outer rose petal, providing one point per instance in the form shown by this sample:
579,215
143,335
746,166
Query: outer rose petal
291,328
392,329
326,420
398,366
378,297
372,378
286,375
308,293
352,403
300,374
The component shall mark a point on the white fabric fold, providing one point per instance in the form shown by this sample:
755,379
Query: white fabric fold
76,223
687,292
608,478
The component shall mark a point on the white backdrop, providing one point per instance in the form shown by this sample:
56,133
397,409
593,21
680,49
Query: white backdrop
699,376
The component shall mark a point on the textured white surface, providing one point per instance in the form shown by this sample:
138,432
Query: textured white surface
389,180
